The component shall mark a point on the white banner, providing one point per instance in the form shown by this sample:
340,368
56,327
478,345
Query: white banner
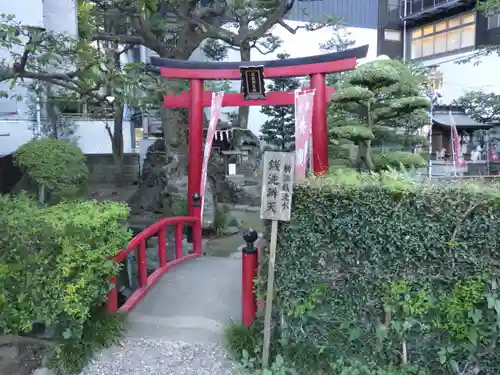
215,111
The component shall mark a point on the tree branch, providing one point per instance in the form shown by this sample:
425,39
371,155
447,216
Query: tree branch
218,32
124,50
255,45
122,39
272,20
143,28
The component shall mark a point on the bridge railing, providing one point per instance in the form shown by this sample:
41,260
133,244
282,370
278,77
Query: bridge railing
139,244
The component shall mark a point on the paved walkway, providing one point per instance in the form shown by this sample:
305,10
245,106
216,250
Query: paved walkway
178,328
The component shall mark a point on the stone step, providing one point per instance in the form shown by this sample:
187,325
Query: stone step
239,207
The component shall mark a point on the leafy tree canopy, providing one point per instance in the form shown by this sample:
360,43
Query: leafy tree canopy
278,132
481,106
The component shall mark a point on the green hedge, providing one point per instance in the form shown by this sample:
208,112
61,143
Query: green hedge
54,262
394,159
371,267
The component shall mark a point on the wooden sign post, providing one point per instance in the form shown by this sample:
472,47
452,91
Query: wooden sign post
276,205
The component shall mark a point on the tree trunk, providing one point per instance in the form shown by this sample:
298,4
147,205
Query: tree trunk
364,158
117,144
243,112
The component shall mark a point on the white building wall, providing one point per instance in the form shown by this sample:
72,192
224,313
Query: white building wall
91,136
460,78
59,16
14,134
28,12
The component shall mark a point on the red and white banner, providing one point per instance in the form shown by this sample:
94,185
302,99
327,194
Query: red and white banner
458,159
304,102
215,111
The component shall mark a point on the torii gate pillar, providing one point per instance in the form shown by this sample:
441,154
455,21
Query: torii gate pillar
319,125
195,144
197,71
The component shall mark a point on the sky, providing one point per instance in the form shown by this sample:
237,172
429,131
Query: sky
303,43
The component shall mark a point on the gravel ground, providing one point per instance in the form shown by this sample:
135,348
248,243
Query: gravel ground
161,357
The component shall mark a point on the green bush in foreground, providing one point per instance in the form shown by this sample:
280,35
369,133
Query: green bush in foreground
390,272
245,343
100,331
55,262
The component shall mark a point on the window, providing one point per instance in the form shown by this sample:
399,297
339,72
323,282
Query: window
441,26
494,21
440,43
416,49
392,35
392,5
468,36
450,35
453,39
428,30
427,46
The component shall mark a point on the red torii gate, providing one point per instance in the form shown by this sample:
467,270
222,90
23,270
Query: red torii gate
196,99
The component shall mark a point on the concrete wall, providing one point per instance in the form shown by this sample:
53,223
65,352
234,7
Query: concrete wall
13,135
102,168
91,136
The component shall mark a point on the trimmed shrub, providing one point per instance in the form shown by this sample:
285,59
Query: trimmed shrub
391,272
394,159
54,262
57,165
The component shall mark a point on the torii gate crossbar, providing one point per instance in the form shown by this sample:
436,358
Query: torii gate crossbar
316,67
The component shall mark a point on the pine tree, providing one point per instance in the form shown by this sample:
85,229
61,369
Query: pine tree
378,104
278,132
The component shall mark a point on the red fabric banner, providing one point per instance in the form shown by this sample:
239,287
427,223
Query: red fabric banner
304,102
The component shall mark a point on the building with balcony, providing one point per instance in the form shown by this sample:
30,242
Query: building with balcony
441,35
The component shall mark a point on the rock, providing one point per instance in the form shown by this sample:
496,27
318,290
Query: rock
43,371
230,231
177,190
156,173
162,189
8,353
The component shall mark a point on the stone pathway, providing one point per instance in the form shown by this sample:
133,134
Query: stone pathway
178,328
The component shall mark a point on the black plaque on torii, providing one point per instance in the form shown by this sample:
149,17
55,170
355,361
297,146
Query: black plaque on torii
253,86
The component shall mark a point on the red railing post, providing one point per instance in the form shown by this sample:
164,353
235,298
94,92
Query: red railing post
142,264
197,237
250,266
162,246
112,298
178,240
